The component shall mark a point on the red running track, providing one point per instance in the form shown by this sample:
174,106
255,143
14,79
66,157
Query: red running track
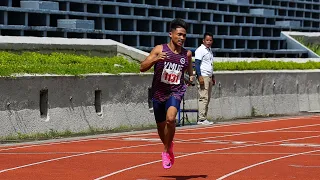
277,149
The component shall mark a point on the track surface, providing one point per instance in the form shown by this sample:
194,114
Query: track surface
277,149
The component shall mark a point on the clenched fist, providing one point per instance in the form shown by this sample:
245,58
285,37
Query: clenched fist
161,56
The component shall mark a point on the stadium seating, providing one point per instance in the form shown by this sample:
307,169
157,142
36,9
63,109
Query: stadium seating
241,28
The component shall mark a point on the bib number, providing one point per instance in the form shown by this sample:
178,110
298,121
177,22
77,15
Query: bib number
170,76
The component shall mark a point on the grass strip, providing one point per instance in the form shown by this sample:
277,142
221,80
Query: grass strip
71,64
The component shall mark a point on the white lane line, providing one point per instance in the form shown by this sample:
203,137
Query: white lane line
264,162
45,144
58,143
227,142
245,133
197,153
76,155
192,133
234,132
300,145
154,133
302,166
142,139
153,152
298,131
93,152
235,143
227,125
245,123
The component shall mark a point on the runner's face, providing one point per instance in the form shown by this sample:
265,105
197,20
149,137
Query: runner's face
208,41
178,36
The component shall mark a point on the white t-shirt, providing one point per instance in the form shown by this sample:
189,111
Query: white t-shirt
205,55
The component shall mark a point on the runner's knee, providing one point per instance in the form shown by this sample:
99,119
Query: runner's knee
171,120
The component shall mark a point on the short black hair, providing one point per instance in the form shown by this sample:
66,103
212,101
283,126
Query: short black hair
207,34
177,23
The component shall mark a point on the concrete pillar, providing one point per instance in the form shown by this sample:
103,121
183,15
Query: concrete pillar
152,41
103,24
5,21
85,8
150,25
100,9
121,39
26,19
138,40
134,25
47,19
119,24
67,6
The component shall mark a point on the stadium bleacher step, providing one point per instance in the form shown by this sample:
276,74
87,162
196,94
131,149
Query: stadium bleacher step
241,27
76,23
48,5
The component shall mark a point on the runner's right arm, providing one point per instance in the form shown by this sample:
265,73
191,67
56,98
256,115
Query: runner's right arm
155,55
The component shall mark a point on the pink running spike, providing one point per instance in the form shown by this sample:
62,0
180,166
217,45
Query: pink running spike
166,163
171,153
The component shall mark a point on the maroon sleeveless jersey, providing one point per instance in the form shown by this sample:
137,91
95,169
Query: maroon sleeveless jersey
168,75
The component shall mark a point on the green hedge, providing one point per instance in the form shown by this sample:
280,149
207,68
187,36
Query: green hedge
60,63
265,65
70,64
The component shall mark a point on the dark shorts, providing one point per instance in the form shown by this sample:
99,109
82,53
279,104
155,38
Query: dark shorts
160,108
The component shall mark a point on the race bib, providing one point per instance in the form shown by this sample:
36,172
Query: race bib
171,76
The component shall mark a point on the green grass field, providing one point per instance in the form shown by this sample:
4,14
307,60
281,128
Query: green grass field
71,64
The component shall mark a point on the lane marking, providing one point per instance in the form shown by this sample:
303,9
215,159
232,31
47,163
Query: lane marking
298,131
142,139
264,162
264,131
302,166
242,133
252,122
82,154
228,142
234,132
93,152
151,152
197,153
57,143
300,145
76,155
113,136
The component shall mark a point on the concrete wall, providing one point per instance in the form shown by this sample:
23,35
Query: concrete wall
71,100
294,44
243,93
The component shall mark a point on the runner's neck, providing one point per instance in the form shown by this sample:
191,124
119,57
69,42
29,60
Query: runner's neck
175,49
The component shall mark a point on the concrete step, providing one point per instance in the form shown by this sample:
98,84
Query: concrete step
40,5
75,23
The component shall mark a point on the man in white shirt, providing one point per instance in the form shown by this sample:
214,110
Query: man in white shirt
204,71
